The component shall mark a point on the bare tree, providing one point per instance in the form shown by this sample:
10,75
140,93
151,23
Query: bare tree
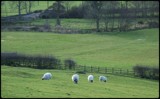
19,5
59,9
4,7
108,14
28,5
114,5
123,16
58,12
67,5
95,11
47,4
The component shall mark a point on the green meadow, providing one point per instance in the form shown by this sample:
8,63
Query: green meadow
118,49
19,82
105,49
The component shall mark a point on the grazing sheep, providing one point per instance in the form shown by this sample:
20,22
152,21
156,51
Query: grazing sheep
47,76
90,78
102,78
75,78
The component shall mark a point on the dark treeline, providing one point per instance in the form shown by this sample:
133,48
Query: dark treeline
114,15
111,13
121,15
139,9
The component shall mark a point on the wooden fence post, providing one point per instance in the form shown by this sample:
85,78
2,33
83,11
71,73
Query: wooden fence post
120,70
74,67
98,69
91,68
112,70
134,72
127,71
84,69
59,67
105,69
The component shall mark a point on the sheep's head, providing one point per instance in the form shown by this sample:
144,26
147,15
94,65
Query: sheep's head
91,81
75,81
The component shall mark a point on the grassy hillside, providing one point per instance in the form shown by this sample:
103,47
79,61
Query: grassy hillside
21,82
121,50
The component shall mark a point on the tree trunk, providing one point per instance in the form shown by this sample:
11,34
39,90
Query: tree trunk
97,23
26,8
6,10
106,25
47,4
112,24
30,5
19,8
58,13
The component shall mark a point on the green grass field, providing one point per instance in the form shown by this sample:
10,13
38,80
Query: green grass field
118,49
19,82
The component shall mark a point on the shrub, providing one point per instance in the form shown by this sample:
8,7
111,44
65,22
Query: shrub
8,58
37,11
75,12
70,63
146,72
81,72
153,24
140,22
40,62
155,72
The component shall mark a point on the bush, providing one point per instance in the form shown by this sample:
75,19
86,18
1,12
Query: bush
146,72
40,62
70,63
75,12
153,24
37,11
140,22
8,58
81,72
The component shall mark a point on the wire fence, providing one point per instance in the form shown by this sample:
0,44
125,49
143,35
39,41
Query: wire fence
50,62
103,70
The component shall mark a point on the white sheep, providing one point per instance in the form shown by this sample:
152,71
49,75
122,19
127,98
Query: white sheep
47,76
102,78
90,78
75,78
